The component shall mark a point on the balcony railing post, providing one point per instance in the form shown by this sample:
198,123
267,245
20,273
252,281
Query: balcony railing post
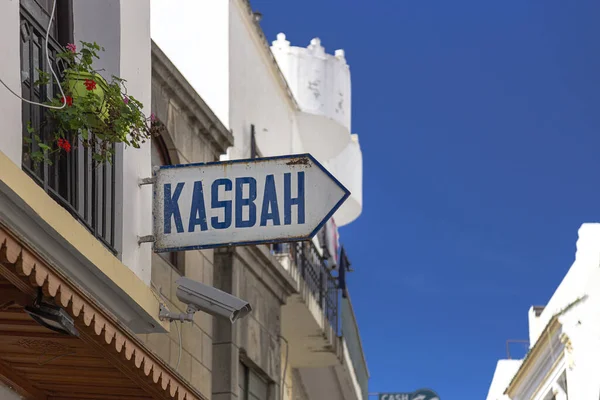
300,258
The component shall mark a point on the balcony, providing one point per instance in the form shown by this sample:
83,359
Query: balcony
74,180
327,354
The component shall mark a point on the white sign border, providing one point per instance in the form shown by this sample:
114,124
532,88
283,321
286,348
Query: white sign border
247,243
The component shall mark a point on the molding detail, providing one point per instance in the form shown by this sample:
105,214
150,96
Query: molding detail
566,341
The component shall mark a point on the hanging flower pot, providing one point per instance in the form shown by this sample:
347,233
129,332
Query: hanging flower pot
82,84
97,113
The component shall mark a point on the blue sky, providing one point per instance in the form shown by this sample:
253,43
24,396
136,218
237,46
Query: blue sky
479,123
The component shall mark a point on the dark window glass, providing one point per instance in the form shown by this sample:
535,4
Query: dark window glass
252,386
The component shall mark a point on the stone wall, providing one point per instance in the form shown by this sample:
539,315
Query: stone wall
252,274
195,362
293,388
193,135
298,389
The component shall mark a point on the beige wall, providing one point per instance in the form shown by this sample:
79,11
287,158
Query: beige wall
189,138
195,364
293,388
252,274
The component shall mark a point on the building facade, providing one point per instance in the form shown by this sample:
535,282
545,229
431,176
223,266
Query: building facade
564,335
302,339
71,230
78,308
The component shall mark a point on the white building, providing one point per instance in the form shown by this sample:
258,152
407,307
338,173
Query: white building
70,230
78,316
297,99
563,361
278,99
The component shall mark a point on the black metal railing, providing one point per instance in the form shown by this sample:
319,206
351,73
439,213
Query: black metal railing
317,277
74,179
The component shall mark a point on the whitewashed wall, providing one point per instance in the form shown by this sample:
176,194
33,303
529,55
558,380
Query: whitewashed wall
256,95
505,370
574,349
11,131
194,35
321,85
577,280
219,50
127,54
319,81
136,69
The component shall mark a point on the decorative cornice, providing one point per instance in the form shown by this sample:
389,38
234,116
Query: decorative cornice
27,271
566,341
532,357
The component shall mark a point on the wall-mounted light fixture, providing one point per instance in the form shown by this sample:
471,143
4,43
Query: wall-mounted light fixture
51,316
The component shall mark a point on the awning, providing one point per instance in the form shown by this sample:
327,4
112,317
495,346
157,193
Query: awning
106,361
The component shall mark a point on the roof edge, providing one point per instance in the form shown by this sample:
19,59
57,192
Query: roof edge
97,325
549,328
267,47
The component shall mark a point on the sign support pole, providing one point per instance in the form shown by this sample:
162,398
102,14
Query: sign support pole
146,181
145,239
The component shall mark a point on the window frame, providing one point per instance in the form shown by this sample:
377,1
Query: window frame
248,373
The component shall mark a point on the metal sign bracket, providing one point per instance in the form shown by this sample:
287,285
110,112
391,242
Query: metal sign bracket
146,239
147,181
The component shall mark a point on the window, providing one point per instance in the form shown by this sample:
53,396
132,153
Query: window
562,382
252,386
74,180
160,156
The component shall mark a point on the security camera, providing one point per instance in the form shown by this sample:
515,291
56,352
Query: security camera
199,296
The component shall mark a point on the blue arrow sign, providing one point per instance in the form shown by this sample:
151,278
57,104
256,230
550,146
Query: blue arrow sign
240,202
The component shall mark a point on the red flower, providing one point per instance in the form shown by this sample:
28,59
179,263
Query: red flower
90,84
71,47
69,100
64,144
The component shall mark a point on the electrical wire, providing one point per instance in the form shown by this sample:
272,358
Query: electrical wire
176,326
49,66
287,351
179,357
